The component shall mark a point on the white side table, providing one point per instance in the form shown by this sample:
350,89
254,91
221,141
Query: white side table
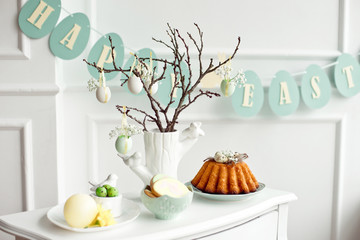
264,216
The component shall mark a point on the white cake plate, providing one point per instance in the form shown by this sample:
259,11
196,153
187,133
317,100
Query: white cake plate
131,211
227,197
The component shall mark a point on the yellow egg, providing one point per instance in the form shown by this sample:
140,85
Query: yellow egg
80,210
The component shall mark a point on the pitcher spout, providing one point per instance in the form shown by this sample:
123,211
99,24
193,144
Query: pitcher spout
135,164
189,137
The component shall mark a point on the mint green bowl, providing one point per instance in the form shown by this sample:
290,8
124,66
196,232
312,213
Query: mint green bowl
166,207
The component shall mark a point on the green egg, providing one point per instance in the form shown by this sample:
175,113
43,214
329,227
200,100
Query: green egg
101,192
112,192
107,186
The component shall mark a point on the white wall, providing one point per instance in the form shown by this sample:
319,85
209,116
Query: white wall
312,153
28,152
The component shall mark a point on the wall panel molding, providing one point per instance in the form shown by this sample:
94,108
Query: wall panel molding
339,122
263,54
343,25
23,48
24,126
272,54
28,89
338,177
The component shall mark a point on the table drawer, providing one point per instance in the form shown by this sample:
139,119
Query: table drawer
263,227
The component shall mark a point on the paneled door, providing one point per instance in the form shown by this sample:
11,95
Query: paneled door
28,156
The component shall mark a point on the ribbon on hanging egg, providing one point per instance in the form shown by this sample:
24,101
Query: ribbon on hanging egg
103,93
123,143
134,83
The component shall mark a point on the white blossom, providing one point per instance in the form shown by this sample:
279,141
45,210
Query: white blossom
224,72
145,73
127,131
93,84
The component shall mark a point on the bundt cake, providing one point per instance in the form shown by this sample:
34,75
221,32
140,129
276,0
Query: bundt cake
226,173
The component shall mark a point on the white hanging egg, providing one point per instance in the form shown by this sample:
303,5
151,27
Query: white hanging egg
123,144
103,94
154,87
134,84
227,88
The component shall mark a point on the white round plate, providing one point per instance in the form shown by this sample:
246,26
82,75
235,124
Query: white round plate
131,211
227,197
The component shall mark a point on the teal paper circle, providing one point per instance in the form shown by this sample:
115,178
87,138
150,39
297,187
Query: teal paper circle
142,53
256,100
166,86
315,87
62,30
274,94
28,28
97,50
341,80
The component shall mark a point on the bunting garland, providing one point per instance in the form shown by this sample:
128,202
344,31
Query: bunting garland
69,38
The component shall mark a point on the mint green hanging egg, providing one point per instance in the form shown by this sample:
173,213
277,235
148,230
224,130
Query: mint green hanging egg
227,88
123,144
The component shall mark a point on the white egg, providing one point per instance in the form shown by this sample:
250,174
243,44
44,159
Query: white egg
103,94
134,84
80,210
154,87
123,144
227,88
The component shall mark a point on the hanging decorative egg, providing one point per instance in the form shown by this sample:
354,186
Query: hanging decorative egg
103,94
134,84
227,88
154,87
123,144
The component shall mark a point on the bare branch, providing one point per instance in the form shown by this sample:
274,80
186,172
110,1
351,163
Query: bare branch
186,84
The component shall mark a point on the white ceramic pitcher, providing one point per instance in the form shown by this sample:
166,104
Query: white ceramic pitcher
163,151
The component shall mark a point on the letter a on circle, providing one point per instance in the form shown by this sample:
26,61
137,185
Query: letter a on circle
70,37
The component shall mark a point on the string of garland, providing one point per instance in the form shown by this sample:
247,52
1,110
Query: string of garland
132,50
69,38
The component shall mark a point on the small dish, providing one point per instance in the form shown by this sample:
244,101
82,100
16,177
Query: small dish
226,197
131,211
166,207
111,203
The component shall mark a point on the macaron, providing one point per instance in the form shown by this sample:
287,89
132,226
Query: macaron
156,178
169,186
149,193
